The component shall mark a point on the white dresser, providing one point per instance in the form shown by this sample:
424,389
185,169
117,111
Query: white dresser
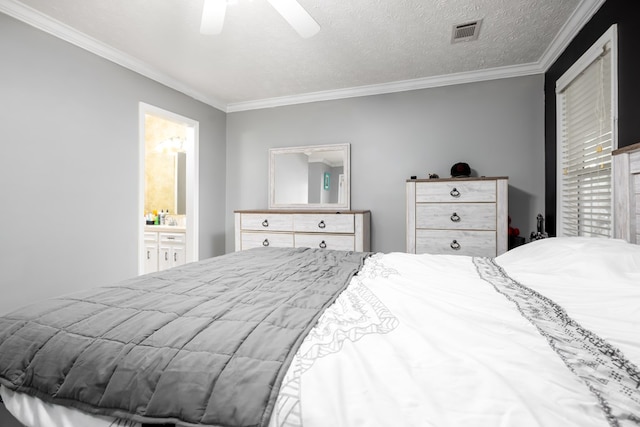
457,216
344,230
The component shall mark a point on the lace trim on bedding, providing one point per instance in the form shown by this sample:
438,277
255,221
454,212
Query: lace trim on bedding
356,313
612,378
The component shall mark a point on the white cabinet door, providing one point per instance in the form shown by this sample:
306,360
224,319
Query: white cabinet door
150,252
165,258
150,257
178,255
164,250
171,256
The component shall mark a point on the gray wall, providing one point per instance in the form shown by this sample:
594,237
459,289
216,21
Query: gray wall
317,193
496,126
69,166
69,158
334,182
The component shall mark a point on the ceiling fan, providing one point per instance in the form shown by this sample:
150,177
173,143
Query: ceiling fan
213,13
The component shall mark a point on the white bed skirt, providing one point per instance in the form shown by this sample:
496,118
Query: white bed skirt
33,412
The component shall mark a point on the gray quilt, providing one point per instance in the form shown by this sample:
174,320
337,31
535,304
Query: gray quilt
207,343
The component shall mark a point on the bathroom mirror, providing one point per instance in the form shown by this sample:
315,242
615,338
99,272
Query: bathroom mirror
165,166
310,177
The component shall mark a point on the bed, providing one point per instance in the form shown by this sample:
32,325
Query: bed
547,334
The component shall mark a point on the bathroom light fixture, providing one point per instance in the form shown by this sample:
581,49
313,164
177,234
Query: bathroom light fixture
213,12
171,145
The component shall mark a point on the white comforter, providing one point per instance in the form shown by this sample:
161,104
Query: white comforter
423,340
433,344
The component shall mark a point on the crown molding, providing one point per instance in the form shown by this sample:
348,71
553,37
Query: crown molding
580,16
62,31
583,13
393,87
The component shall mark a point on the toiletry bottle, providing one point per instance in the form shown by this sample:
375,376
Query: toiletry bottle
155,217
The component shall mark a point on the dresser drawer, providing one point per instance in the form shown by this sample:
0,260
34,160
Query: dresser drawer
456,216
456,242
266,222
325,241
456,191
347,230
471,212
255,240
324,223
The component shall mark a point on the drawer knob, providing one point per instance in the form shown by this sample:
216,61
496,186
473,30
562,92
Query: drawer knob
266,242
322,245
455,217
455,245
454,192
265,223
321,224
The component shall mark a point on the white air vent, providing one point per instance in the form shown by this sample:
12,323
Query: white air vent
466,32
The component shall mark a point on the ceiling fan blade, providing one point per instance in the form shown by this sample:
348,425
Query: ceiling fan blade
296,16
213,12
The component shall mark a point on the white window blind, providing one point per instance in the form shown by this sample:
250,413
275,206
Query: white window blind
586,142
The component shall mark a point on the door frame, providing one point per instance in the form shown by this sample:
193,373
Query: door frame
192,181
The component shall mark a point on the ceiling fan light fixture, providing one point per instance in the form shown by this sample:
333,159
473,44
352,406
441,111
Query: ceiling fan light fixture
213,12
296,16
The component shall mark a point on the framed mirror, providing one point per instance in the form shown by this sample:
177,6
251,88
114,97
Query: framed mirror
310,177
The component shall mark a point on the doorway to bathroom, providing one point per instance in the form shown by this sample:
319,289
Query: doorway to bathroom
168,189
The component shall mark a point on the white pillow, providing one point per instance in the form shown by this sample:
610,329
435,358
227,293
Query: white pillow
583,256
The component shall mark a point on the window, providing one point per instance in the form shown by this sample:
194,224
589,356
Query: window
586,97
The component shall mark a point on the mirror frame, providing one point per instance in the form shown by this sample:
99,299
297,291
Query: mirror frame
345,148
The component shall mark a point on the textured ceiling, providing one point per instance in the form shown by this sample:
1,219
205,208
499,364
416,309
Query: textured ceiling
259,56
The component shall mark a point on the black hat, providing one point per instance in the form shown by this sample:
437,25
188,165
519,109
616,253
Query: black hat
460,169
